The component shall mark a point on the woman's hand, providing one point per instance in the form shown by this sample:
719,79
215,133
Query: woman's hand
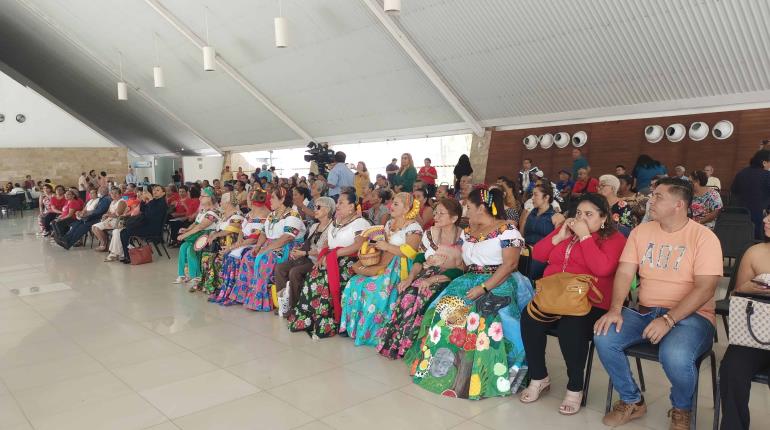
382,245
403,285
474,293
296,253
424,285
579,227
564,233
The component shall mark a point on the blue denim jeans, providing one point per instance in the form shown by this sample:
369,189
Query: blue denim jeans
679,350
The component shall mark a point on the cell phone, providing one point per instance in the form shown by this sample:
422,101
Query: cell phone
761,284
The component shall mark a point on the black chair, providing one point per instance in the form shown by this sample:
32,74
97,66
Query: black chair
159,243
735,210
15,203
723,305
734,237
648,351
589,363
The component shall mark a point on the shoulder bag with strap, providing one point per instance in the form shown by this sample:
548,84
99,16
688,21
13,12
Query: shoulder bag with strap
563,294
750,321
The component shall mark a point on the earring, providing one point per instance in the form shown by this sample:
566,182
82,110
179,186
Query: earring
602,227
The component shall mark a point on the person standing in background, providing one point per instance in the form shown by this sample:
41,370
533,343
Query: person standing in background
713,181
404,180
82,185
578,161
131,178
227,175
340,176
428,176
391,170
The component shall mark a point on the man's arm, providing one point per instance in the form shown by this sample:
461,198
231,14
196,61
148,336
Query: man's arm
620,288
705,286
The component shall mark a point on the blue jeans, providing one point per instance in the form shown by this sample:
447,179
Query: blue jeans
679,350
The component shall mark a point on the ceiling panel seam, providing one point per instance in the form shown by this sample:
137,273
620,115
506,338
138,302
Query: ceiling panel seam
72,40
429,71
231,71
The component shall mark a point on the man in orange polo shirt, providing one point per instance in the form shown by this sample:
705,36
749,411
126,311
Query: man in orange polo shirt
679,263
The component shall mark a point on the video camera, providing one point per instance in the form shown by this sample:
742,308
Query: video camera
321,154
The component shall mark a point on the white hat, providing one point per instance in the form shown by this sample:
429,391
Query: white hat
579,139
675,132
653,133
546,141
723,129
561,139
698,131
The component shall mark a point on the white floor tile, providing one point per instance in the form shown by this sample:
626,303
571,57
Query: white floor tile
260,410
36,375
128,412
164,370
277,369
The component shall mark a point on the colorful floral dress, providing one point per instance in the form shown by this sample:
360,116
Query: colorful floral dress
623,214
211,260
256,273
368,301
251,228
473,349
705,205
398,335
314,311
188,257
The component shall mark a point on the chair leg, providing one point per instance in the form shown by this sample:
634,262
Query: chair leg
714,376
608,405
641,374
717,403
694,410
164,248
727,325
587,379
157,248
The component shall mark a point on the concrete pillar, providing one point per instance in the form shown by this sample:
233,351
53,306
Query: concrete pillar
479,155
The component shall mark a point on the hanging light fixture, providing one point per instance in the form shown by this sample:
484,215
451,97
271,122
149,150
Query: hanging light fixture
281,28
392,7
209,54
157,71
122,86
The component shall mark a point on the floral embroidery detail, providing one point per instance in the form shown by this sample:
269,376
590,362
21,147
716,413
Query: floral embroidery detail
496,331
435,334
473,321
482,342
491,235
512,243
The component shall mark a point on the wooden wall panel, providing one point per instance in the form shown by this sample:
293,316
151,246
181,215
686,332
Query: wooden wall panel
621,142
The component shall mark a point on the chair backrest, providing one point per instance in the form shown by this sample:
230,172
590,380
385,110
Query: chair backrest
736,210
734,237
16,202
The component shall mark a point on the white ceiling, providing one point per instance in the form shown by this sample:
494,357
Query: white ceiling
344,77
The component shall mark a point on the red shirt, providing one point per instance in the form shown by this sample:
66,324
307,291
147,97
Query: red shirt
75,204
424,171
172,199
192,206
594,256
591,186
58,202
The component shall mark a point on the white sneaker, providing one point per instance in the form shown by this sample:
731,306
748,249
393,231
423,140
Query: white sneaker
180,280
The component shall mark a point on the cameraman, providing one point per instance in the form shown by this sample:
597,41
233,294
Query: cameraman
340,176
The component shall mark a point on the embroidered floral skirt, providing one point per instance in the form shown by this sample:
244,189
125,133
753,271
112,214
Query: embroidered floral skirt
211,264
314,312
229,273
398,335
253,286
368,302
472,349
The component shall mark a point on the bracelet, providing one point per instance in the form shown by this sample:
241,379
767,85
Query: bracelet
669,320
484,287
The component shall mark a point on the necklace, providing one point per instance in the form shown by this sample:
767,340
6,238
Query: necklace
337,227
489,228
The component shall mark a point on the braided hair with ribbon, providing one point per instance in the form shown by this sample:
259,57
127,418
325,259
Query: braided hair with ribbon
491,199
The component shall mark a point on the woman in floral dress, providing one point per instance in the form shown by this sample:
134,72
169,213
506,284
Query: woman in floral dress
470,344
369,298
226,232
206,220
622,212
439,262
251,228
318,310
706,201
282,231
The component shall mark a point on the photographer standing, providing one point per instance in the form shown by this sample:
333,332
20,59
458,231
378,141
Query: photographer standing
340,176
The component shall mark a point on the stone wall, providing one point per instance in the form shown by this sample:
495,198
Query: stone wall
61,165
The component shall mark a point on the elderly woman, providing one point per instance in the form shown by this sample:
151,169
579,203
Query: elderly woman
205,221
318,309
586,243
226,232
368,298
621,212
109,220
706,201
301,260
469,345
233,254
434,267
282,231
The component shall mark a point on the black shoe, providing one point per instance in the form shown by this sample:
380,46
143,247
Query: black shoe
125,261
63,244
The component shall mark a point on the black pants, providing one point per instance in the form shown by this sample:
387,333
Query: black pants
46,220
574,335
61,227
431,188
739,364
77,230
292,271
174,227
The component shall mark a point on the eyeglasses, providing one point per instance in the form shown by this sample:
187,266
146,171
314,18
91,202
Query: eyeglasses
440,213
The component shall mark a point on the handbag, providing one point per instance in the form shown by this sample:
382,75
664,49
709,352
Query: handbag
563,294
141,253
750,321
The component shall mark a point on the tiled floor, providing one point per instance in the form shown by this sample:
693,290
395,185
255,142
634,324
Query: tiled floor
106,346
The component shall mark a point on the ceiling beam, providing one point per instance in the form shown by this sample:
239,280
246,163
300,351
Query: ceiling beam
433,76
183,29
71,39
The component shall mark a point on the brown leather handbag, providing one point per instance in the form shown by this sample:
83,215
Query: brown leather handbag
141,253
563,294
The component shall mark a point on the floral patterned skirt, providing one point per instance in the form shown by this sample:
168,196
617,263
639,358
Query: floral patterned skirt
314,312
253,287
368,302
229,274
211,264
398,335
472,349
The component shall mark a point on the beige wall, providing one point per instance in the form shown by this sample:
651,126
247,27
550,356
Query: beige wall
61,165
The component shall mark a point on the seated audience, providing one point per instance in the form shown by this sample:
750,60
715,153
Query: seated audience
469,344
110,219
425,217
713,181
318,308
706,201
50,207
438,262
644,171
621,212
679,263
90,215
206,220
72,205
586,243
741,363
513,206
153,214
539,223
185,212
565,184
584,183
225,234
379,212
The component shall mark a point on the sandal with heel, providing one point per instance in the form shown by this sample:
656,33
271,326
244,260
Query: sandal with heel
571,403
535,389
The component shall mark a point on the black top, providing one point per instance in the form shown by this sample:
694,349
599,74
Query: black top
154,213
751,188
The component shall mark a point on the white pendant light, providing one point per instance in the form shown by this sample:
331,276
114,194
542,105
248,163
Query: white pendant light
209,54
392,7
281,28
122,86
157,71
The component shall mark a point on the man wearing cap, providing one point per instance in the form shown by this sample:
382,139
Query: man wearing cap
565,184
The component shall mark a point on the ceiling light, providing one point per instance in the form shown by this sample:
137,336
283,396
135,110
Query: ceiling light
122,86
392,7
157,71
209,54
281,28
